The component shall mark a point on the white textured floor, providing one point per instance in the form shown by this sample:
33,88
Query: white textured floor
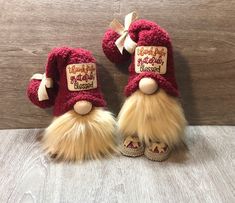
202,170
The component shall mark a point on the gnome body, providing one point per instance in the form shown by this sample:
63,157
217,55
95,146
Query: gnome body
82,127
151,119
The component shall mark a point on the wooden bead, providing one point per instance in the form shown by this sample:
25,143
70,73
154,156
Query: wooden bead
148,85
83,107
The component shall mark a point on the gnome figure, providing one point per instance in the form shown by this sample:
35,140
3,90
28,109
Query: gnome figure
151,119
82,127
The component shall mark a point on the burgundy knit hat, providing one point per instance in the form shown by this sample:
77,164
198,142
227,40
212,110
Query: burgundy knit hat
74,75
152,55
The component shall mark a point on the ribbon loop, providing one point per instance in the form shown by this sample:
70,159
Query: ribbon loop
129,18
117,26
124,41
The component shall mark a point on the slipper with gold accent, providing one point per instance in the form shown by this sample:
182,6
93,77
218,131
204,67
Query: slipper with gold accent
157,151
132,146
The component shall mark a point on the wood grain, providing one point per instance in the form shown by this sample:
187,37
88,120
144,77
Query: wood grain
202,32
201,170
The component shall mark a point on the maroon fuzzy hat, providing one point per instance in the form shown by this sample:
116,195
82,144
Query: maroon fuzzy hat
152,55
74,75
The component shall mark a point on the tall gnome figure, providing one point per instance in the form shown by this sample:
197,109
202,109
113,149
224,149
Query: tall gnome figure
82,128
151,120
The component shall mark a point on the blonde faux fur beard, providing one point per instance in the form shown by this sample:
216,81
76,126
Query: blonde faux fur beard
72,137
156,117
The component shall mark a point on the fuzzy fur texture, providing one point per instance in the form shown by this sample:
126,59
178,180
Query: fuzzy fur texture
72,137
158,117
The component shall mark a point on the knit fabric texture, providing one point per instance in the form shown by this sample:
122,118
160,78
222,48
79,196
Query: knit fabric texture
60,96
32,93
144,33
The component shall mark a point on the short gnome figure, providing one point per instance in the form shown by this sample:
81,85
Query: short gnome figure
151,119
82,128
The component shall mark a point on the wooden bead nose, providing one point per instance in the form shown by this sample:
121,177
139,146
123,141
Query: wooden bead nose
83,107
148,85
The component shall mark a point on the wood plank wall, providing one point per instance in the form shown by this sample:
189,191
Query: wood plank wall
202,31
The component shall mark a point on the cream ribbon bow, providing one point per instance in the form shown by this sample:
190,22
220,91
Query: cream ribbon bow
45,82
124,41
